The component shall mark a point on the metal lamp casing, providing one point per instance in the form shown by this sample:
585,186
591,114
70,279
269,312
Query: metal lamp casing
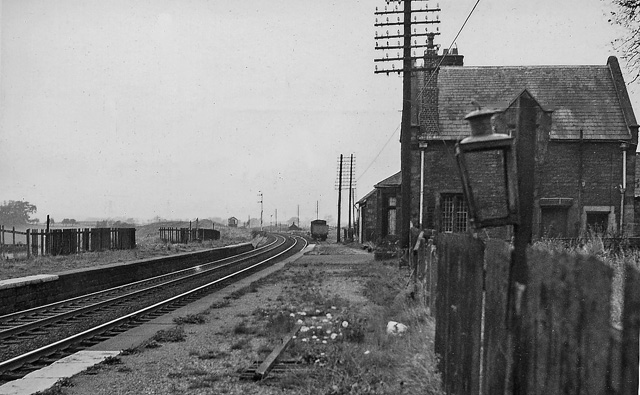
487,165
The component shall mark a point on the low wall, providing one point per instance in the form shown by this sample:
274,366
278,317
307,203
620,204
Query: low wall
16,295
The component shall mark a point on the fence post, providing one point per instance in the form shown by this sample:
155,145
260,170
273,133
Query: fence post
13,233
28,243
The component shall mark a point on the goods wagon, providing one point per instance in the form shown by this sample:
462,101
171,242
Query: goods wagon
319,229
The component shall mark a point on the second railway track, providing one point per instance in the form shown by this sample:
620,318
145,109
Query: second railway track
32,338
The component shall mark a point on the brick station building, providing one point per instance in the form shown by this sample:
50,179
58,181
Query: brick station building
586,141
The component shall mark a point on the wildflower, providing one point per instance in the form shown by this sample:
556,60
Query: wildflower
292,315
302,313
325,320
345,324
300,322
333,336
304,329
318,311
324,342
314,337
328,331
366,352
305,340
333,307
329,316
319,327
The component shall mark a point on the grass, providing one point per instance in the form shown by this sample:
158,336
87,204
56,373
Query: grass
241,344
191,319
348,346
175,334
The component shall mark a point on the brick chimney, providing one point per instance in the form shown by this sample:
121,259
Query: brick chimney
428,116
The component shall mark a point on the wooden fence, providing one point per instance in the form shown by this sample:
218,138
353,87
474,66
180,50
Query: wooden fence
68,241
185,235
569,344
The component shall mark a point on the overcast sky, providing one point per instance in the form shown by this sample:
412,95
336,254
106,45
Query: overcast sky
189,108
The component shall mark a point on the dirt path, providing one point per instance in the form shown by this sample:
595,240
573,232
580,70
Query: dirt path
235,333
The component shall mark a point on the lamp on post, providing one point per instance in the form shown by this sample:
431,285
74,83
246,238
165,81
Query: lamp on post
487,166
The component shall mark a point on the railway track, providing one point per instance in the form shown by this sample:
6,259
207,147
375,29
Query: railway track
37,337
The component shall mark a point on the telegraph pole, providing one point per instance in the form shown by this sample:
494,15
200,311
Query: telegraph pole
339,197
409,65
261,208
350,189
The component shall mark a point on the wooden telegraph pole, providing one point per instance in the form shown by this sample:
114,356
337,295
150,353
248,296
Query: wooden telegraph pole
339,196
409,65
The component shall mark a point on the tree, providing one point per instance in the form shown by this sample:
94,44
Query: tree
627,15
16,212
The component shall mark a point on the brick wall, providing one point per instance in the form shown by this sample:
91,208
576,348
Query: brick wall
557,176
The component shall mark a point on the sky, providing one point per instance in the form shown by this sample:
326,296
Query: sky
192,108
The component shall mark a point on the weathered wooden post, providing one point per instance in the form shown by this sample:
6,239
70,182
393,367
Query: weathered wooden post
28,236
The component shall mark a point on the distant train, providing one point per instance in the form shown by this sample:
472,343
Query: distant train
319,229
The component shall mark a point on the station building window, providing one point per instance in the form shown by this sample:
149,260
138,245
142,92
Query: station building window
454,216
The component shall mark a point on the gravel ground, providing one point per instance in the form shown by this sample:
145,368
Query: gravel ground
209,359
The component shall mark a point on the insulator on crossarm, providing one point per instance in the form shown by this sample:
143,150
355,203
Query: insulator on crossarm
376,20
437,17
376,67
393,66
437,29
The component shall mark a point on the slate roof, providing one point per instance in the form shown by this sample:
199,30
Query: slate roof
393,181
581,97
364,199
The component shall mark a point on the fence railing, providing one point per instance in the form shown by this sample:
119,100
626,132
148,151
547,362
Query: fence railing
67,241
565,319
186,235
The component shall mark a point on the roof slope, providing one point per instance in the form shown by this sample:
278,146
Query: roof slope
581,98
393,181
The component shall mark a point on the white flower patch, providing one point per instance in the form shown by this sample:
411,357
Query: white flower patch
305,339
292,315
302,313
329,316
304,329
334,308
328,331
318,311
333,336
314,337
299,322
324,342
345,324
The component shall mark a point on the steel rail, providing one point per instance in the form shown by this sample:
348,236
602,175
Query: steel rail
139,315
157,281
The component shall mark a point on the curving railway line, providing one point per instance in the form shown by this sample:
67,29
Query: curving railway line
34,338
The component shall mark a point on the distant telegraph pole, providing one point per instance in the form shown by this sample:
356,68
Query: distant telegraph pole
261,207
384,41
